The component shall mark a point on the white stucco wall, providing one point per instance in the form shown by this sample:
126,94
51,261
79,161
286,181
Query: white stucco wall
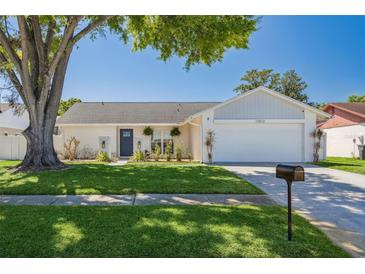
195,139
89,136
340,140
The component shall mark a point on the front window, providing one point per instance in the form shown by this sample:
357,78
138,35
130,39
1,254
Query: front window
161,138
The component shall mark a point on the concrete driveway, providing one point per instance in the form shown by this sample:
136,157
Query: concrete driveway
331,199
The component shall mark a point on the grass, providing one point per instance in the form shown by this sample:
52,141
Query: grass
164,162
158,231
98,178
342,163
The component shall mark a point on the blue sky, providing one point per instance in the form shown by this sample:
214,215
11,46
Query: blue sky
327,51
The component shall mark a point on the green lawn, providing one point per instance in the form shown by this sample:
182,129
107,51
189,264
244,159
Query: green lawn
157,231
342,163
98,178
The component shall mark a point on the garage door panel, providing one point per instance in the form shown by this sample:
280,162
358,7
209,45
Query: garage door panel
259,143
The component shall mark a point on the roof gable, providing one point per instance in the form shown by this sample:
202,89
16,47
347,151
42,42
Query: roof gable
273,93
259,105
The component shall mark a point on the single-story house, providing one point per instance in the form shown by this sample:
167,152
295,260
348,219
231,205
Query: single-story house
260,125
345,129
11,122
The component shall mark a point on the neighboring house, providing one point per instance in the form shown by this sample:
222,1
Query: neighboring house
12,123
345,128
258,126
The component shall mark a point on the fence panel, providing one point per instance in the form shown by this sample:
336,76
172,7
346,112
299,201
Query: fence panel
12,147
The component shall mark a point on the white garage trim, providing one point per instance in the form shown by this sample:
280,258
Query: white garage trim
260,121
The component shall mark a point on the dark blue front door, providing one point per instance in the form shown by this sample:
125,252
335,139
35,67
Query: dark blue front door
126,142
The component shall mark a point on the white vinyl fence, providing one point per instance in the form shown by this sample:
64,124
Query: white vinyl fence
14,147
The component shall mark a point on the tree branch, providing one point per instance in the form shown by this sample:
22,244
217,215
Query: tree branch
33,55
89,28
27,83
49,36
13,77
10,51
38,42
68,33
57,85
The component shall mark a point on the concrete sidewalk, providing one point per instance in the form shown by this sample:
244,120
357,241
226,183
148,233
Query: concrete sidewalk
137,199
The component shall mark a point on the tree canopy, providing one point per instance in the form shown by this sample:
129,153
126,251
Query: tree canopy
66,104
289,83
356,99
35,51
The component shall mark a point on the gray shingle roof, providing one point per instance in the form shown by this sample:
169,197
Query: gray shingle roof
131,112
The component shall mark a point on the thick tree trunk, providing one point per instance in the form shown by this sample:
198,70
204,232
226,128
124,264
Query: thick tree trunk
40,153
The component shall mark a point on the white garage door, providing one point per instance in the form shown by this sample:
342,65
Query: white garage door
258,143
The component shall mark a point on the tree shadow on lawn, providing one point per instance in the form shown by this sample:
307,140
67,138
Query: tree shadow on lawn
127,179
152,231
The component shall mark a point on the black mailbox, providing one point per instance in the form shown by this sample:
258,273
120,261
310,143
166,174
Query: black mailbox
292,173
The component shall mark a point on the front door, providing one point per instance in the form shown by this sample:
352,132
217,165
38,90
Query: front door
126,142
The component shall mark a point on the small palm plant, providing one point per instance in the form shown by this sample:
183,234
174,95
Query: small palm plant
178,152
168,150
157,153
209,142
317,135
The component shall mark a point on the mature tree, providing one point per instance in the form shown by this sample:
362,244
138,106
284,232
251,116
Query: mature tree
66,104
290,83
356,99
35,50
255,78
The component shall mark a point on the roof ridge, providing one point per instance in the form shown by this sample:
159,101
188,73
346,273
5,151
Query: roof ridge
347,103
159,102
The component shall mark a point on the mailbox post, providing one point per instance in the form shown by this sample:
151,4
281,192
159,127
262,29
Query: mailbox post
290,174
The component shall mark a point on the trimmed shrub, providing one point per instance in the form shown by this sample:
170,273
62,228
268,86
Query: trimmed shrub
175,132
168,150
157,153
190,156
138,156
178,152
148,131
103,157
